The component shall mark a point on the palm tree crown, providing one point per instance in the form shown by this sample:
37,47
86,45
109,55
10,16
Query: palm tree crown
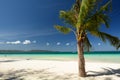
86,17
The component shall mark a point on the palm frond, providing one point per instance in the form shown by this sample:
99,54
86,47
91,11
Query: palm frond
62,29
112,39
107,37
106,20
106,7
118,45
87,44
76,6
85,10
68,17
96,20
99,16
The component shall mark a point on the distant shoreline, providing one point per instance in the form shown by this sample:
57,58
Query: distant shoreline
54,52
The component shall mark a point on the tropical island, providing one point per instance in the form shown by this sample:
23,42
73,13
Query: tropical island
27,51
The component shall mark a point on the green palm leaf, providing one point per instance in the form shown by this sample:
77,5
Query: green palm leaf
85,10
87,44
76,6
107,37
118,45
99,17
62,29
68,17
112,39
96,20
107,6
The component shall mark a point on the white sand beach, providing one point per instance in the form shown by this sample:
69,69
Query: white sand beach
23,69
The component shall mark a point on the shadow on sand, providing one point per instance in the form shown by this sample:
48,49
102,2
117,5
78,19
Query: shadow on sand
44,74
37,75
106,71
9,61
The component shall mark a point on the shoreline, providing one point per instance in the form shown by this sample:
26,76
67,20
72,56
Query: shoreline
108,57
59,59
56,70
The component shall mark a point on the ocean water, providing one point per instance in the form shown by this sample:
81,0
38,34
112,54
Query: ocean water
107,56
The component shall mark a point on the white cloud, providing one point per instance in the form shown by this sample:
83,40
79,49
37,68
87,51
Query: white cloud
99,44
34,41
67,44
27,42
14,42
58,43
8,42
47,44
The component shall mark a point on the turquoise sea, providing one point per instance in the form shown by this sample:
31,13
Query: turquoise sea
106,56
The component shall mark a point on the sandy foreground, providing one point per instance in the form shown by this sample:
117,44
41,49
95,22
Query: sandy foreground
23,69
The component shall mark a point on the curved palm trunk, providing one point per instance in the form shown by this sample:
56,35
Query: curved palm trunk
81,60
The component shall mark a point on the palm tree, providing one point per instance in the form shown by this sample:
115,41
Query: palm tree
86,17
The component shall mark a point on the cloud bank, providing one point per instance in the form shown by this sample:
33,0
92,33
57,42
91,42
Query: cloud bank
14,42
25,42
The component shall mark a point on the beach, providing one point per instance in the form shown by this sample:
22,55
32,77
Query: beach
32,46
30,69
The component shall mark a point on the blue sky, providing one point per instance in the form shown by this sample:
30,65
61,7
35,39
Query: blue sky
28,24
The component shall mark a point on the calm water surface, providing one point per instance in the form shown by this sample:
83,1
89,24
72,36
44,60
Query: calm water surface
113,56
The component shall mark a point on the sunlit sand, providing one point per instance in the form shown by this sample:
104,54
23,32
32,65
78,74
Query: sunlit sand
17,69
